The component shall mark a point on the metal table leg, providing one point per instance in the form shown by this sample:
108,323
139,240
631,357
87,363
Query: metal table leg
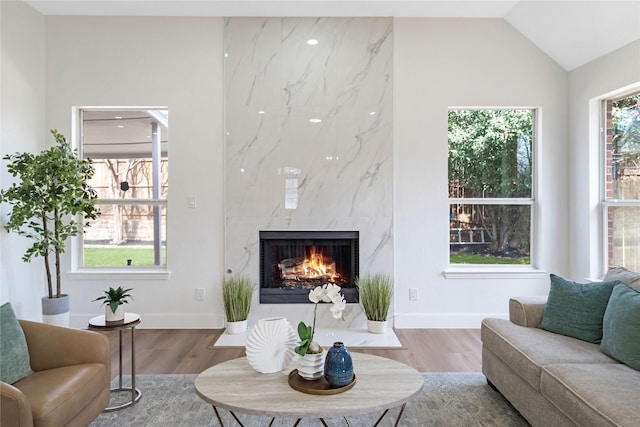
135,393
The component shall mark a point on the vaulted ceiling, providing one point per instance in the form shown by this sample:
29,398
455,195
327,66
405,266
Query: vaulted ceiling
572,32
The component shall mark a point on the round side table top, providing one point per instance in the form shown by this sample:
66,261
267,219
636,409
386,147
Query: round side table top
381,383
99,322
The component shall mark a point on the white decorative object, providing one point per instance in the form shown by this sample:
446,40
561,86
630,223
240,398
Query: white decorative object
110,316
377,327
270,345
235,328
311,366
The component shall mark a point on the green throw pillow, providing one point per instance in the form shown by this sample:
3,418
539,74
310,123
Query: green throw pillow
14,354
576,309
621,327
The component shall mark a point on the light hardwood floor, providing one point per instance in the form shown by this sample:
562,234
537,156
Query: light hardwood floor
190,351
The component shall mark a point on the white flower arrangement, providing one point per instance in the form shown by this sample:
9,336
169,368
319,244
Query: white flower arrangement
325,293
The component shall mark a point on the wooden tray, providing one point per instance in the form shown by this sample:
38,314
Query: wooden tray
319,386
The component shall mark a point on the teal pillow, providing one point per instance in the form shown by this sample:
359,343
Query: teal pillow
576,309
14,354
621,327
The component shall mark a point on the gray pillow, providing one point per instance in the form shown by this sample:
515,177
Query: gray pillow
621,327
14,354
629,277
576,309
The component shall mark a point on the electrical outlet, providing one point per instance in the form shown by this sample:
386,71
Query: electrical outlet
200,294
192,202
413,294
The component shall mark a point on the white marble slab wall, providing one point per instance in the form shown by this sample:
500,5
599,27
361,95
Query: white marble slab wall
308,142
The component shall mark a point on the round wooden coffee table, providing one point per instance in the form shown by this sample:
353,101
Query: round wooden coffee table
381,384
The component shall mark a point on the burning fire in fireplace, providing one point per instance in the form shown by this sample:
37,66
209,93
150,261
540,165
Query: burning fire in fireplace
313,269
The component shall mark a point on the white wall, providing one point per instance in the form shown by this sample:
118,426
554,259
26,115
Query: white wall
440,63
22,124
589,83
173,62
177,62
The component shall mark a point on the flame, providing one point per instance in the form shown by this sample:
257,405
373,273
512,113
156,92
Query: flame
315,266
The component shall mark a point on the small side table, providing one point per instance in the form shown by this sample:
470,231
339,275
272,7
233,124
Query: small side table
131,320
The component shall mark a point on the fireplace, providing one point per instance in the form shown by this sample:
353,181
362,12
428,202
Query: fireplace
294,262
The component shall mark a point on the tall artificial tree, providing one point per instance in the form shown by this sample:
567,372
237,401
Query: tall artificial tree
50,192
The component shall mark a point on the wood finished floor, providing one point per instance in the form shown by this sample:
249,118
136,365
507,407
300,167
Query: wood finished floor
190,351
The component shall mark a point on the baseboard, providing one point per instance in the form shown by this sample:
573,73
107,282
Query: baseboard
443,320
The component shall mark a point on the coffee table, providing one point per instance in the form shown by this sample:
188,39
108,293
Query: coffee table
381,384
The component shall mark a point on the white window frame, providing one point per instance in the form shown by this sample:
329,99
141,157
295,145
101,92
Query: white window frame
605,203
78,270
503,271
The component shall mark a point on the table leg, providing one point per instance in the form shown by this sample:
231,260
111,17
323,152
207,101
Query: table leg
400,415
133,365
381,417
135,393
218,416
120,357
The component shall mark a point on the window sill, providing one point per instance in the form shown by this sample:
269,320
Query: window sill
120,274
493,272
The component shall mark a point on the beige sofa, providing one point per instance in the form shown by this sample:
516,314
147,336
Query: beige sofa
70,383
555,380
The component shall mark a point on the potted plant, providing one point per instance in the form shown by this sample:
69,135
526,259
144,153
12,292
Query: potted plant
115,300
375,292
311,366
51,192
236,296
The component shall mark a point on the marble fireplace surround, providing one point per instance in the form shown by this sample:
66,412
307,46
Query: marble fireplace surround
308,142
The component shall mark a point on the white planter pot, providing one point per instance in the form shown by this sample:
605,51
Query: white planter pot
311,366
377,327
55,311
235,328
110,316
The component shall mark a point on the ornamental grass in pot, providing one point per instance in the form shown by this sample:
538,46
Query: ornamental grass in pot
236,296
376,291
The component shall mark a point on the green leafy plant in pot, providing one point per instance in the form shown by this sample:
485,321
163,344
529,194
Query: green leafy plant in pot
115,300
376,291
236,296
50,194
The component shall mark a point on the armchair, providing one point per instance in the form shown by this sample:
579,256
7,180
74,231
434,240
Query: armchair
70,383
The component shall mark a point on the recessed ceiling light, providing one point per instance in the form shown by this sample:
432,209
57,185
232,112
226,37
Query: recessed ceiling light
312,42
226,55
373,113
315,120
120,126
260,112
117,117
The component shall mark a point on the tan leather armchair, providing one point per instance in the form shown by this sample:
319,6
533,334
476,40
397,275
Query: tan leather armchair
70,383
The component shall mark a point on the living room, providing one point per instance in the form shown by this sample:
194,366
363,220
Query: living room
53,63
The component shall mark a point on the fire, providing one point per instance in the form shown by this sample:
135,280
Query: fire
315,266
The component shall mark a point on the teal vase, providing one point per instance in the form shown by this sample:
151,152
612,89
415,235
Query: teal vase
338,366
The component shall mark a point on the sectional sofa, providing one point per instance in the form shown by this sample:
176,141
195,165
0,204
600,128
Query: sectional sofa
558,380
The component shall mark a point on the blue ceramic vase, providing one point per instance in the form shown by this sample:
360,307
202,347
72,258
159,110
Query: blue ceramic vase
338,366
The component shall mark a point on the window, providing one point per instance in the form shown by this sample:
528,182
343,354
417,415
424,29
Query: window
621,186
129,152
491,194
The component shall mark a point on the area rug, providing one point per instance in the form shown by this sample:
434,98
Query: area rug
447,400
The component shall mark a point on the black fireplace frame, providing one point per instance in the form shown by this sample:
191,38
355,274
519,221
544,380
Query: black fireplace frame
270,295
